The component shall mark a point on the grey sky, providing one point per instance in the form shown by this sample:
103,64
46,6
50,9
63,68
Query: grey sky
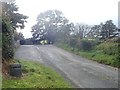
81,11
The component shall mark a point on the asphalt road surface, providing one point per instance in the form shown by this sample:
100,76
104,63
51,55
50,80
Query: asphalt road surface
80,72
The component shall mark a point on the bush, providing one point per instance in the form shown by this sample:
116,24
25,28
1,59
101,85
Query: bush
7,41
87,45
73,42
7,47
108,48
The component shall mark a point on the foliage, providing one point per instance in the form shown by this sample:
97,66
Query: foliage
102,31
10,21
51,25
95,54
109,48
108,29
101,58
18,36
73,42
7,40
35,75
97,42
87,44
10,10
118,55
82,30
95,31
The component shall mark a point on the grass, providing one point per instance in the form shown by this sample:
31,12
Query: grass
100,57
36,75
96,54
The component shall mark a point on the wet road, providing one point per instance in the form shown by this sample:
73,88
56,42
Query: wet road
79,71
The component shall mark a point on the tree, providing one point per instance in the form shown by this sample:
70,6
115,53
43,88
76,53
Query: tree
10,21
65,33
16,19
18,36
7,39
108,29
48,25
95,31
82,30
8,1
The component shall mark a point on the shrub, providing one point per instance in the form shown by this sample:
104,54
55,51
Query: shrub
7,41
87,45
73,42
108,48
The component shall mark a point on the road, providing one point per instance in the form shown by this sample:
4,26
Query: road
80,72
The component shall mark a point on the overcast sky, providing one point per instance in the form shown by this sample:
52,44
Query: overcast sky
83,11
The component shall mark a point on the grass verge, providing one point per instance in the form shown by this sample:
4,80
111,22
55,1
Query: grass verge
35,75
95,55
100,57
